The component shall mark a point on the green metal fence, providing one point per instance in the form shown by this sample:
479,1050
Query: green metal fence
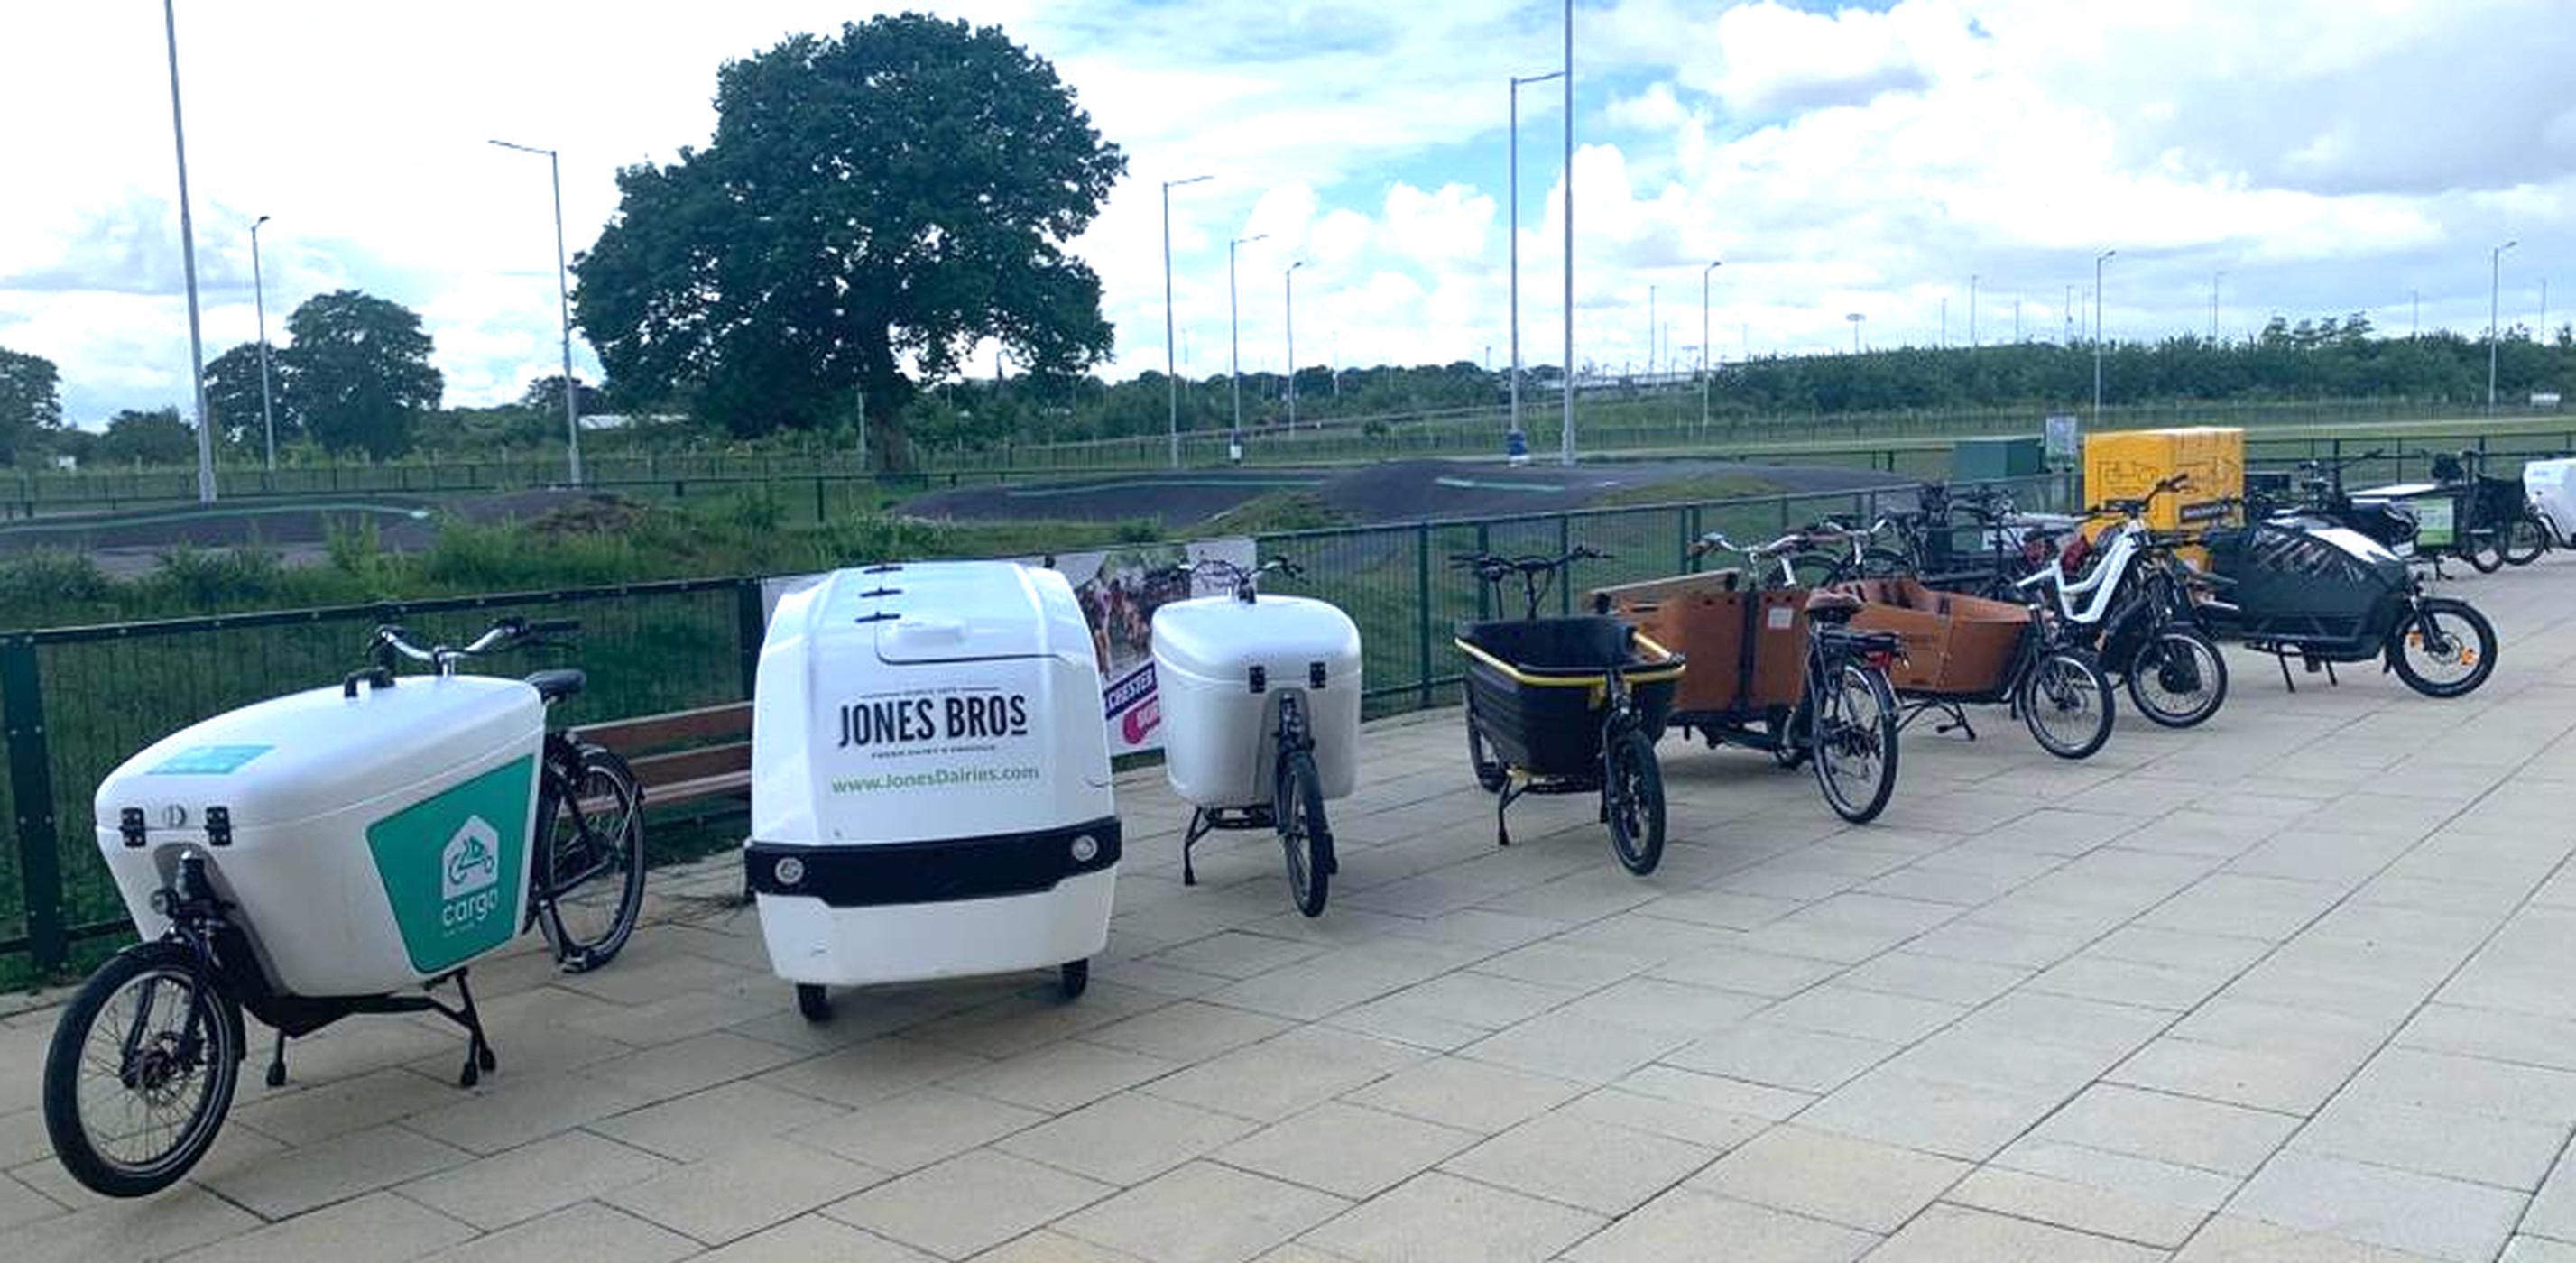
75,701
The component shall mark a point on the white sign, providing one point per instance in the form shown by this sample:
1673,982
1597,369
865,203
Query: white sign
2061,431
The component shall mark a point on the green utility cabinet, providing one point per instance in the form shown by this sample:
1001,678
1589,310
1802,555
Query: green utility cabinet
1980,460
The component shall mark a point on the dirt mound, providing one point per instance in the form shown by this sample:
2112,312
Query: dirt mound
598,514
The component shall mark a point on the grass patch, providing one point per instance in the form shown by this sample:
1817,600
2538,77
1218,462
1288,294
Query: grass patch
1695,488
1278,511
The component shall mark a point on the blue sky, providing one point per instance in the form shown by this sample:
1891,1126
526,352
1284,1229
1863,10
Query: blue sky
1839,159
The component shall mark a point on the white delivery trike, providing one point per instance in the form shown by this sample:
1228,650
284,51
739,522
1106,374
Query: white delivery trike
930,780
1261,716
2551,486
330,852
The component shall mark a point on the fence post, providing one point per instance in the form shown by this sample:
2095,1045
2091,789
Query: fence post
1422,603
1564,545
1484,591
749,630
819,516
31,790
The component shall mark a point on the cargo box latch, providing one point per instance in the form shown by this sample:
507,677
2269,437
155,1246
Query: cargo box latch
1315,675
129,825
1260,680
219,826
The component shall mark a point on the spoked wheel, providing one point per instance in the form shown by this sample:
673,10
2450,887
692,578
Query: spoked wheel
2445,648
2526,537
1788,737
1297,804
2178,678
1854,744
1490,773
2066,701
592,864
141,1071
1632,799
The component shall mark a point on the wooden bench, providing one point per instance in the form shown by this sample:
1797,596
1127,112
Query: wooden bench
683,755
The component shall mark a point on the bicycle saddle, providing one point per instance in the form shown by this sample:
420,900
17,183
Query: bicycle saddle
1831,606
556,683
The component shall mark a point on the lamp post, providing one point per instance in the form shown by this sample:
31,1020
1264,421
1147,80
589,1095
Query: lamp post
1650,330
2098,261
2495,276
1713,265
1972,311
259,299
563,303
1171,370
1565,445
1855,318
2214,278
1288,280
1234,330
1515,147
188,259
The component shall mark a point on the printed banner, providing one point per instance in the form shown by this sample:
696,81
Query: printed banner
1120,589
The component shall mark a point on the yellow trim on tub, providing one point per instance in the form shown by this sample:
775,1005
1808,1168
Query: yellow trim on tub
1670,669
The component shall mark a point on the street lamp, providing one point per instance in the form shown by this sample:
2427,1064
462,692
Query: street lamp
2214,278
2098,261
1234,329
563,307
259,297
1288,281
1171,369
188,258
1565,444
2495,275
1713,265
1515,147
1855,318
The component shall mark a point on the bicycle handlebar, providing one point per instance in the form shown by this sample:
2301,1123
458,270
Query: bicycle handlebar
390,639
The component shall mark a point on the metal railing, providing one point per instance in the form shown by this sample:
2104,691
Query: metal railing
76,701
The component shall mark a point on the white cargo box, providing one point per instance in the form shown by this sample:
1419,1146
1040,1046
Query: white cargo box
2551,484
372,840
1219,731
930,777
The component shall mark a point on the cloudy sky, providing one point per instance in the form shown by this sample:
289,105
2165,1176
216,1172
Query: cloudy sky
2327,156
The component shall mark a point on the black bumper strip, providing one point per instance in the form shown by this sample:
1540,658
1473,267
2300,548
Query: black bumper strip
862,875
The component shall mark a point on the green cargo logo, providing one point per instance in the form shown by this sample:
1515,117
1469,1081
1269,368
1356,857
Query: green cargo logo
451,863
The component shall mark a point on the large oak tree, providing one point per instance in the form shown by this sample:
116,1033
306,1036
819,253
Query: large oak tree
886,197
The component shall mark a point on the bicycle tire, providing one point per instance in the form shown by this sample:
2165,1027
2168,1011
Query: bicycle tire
620,856
2154,666
1297,804
1632,800
1844,728
2484,550
2526,537
2064,674
1882,563
1491,775
1816,569
2424,621
65,1125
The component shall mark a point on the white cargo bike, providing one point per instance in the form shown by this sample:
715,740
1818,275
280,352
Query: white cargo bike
1261,716
930,780
330,852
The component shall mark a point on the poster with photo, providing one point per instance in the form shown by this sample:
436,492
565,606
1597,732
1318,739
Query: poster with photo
1119,588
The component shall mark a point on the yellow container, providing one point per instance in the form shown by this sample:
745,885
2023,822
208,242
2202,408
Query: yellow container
2126,464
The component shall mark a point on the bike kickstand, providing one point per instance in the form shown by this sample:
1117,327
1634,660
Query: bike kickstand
1503,803
478,1046
1199,826
277,1063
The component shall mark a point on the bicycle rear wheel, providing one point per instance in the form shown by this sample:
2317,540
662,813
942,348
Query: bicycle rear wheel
141,1071
1297,804
2178,678
1854,744
2525,539
591,861
1632,798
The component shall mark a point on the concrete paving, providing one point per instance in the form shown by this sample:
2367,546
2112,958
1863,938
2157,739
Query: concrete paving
2292,987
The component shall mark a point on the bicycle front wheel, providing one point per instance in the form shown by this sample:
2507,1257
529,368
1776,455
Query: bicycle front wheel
1854,743
2066,702
2444,648
1632,799
590,865
1297,804
2178,678
141,1071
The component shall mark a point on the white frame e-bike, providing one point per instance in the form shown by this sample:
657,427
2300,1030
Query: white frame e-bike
2173,670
